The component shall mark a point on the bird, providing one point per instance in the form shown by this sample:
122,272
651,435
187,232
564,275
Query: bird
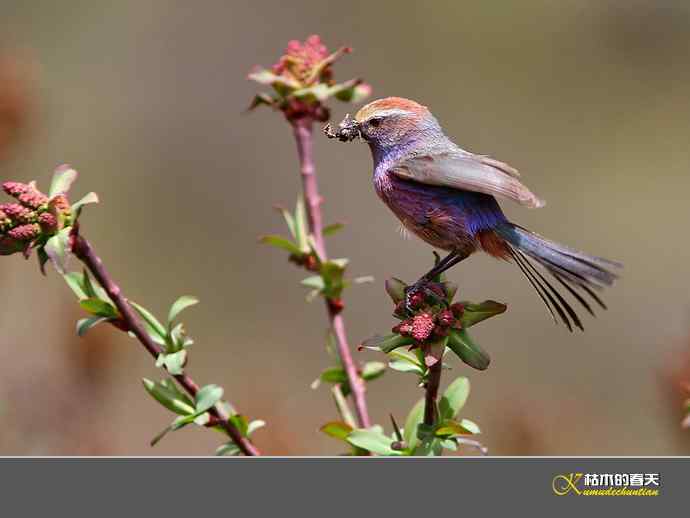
447,196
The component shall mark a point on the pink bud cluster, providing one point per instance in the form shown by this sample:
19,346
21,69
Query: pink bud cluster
35,215
300,59
429,325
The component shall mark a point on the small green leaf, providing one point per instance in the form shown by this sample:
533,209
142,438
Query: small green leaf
373,441
240,422
353,91
469,425
475,313
153,325
460,342
58,250
85,324
395,289
260,99
99,308
405,366
63,178
179,422
337,429
75,280
180,305
342,406
170,399
254,426
289,220
414,418
314,282
331,229
281,242
228,449
373,370
207,397
334,375
90,198
387,343
454,398
173,362
301,226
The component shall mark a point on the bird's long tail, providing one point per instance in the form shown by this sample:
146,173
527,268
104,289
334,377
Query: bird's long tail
581,275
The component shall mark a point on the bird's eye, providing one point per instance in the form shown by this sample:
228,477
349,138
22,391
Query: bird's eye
375,122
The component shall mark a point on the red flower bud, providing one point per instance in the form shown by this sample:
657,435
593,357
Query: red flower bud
14,189
48,222
336,305
446,318
33,199
16,213
24,232
405,328
458,309
422,326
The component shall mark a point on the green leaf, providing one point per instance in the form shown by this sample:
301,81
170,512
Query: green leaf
342,406
90,198
153,325
170,399
260,99
179,422
337,429
314,282
460,342
75,280
405,366
395,289
58,250
228,449
281,242
283,85
169,384
471,426
240,422
85,324
63,178
318,92
173,362
415,417
373,441
334,375
289,220
454,398
207,397
373,370
475,313
180,305
387,343
331,229
99,308
254,426
301,226
353,91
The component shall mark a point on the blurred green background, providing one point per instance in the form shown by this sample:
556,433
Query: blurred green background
588,99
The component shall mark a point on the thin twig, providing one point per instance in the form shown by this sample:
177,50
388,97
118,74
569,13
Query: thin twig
432,384
85,252
303,131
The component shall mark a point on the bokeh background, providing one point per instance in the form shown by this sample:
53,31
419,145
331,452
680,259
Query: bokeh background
588,99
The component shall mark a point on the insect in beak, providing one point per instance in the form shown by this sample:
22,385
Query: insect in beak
348,130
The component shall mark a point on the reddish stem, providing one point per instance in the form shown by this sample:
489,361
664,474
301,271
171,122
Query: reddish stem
85,252
303,131
432,384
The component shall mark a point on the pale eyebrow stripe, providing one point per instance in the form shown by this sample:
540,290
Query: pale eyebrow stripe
386,113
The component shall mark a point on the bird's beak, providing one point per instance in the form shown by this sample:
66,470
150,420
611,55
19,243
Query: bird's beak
348,130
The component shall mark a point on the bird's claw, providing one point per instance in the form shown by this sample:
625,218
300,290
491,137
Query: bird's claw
422,287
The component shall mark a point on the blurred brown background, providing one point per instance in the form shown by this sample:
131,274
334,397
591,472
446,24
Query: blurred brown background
588,99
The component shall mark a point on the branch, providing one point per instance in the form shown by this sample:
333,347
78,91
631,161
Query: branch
432,384
302,129
85,252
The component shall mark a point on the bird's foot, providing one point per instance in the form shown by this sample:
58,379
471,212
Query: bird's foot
424,292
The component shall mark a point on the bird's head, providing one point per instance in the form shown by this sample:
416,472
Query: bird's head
388,123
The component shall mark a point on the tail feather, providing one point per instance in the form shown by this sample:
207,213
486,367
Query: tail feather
576,271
